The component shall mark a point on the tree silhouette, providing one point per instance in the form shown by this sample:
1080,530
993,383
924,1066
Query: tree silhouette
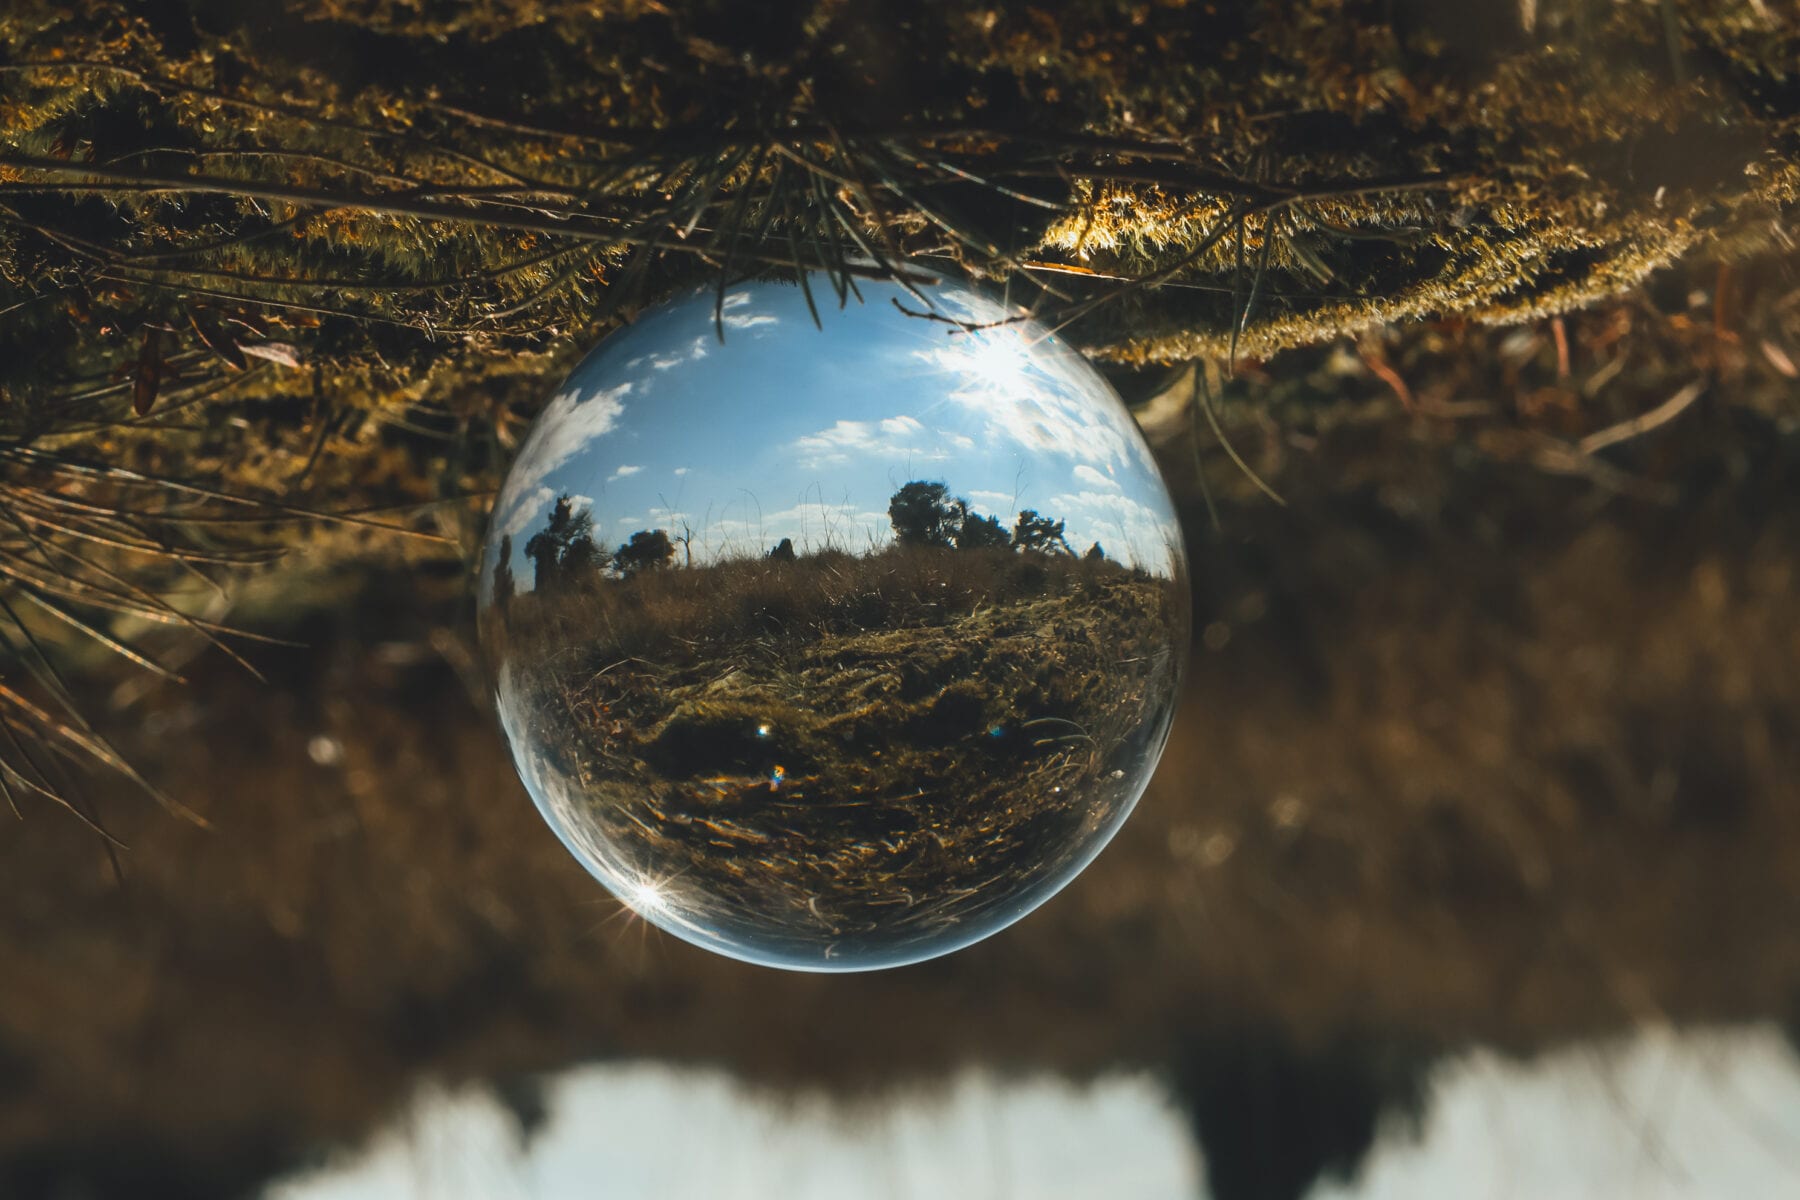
783,551
504,584
543,550
1095,553
924,514
582,556
981,533
1032,532
564,547
647,549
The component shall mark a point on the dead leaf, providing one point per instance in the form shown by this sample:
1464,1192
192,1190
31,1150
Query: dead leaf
214,338
1778,358
148,377
280,353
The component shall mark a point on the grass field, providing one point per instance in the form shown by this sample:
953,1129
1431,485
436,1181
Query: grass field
867,754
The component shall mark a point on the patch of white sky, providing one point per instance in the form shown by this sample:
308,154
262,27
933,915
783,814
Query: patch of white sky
1003,504
642,1130
1127,529
1659,1114
816,524
787,431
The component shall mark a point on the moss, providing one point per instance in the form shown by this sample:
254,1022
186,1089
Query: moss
1547,168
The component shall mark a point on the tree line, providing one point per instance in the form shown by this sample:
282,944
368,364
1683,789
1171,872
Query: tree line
565,551
922,513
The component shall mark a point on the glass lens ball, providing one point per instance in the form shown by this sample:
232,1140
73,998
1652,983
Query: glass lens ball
834,648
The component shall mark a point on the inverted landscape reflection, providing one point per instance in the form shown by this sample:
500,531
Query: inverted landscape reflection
835,646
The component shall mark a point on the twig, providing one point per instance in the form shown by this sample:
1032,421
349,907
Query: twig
1662,414
1379,368
1201,394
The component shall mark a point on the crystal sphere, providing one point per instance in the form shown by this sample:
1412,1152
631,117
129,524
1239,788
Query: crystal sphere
834,645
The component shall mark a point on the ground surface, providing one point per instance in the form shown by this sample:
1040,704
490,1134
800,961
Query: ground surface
882,754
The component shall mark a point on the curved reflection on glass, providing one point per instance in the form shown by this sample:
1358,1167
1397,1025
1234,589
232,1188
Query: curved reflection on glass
834,649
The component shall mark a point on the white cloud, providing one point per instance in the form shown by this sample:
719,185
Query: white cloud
526,511
696,350
891,437
623,473
1107,502
1005,504
733,319
1132,531
669,518
681,470
1093,478
568,426
1029,388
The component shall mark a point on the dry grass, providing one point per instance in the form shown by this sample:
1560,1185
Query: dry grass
720,609
866,754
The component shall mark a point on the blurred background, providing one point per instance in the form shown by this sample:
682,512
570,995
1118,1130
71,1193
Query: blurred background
1472,867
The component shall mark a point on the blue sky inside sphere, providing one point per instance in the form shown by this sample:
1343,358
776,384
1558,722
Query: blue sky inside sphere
786,430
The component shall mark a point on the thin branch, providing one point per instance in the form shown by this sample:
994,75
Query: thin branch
1662,414
1202,394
